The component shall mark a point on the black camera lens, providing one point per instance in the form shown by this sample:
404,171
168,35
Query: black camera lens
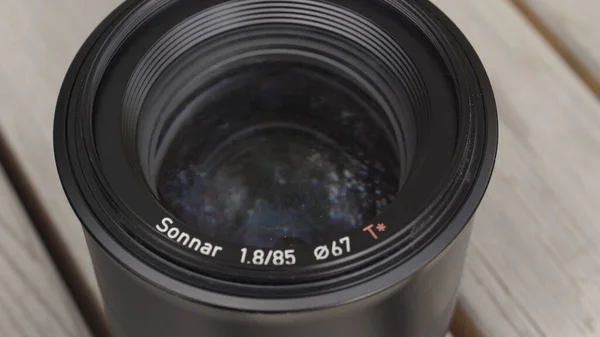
276,167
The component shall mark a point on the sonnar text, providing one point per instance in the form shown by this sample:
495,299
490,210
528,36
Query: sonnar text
183,238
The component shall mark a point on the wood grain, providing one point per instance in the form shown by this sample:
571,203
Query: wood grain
573,28
534,264
33,300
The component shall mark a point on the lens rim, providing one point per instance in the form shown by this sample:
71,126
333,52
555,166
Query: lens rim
138,258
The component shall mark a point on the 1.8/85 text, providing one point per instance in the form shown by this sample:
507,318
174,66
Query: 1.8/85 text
261,257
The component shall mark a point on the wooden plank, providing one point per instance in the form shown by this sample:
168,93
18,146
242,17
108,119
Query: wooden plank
33,299
534,263
574,30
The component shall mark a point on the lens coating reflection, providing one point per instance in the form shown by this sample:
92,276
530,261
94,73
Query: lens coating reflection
278,155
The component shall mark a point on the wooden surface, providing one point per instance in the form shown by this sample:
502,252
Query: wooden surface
574,27
534,263
33,299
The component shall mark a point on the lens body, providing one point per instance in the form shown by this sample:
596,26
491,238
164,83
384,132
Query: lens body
276,168
421,305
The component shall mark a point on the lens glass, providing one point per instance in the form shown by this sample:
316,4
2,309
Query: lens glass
277,153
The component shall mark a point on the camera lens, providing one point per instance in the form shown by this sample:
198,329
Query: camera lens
269,168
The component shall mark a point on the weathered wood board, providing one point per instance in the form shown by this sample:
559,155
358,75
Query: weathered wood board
33,298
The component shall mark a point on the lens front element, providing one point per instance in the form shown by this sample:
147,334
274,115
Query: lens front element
276,155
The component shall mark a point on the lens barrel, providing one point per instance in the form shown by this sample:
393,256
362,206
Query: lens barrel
276,167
